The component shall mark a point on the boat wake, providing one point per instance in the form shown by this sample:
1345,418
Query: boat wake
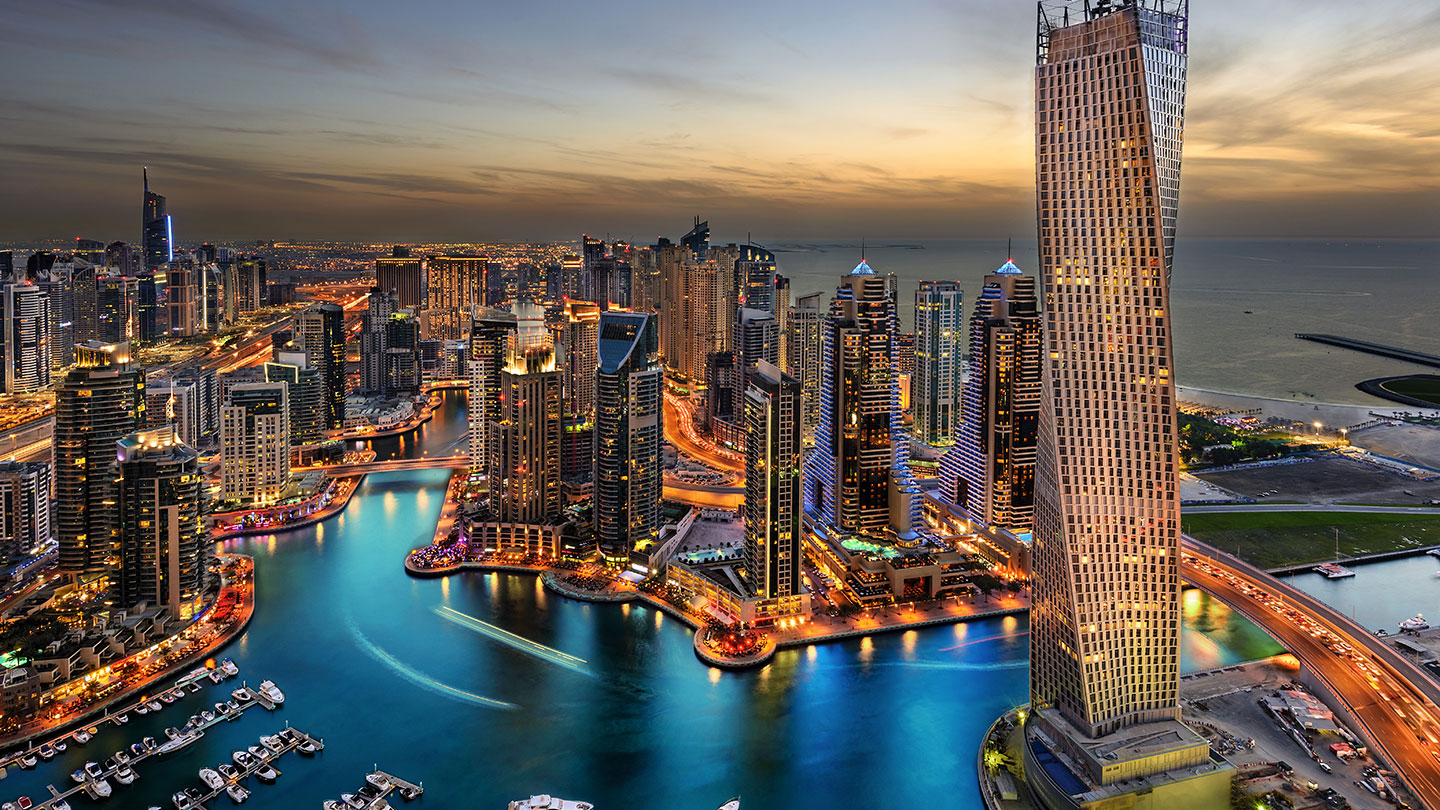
419,678
985,639
513,641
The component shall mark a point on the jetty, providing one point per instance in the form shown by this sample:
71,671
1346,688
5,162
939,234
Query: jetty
377,788
291,738
1392,352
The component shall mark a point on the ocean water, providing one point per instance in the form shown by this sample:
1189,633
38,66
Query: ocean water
630,720
1379,290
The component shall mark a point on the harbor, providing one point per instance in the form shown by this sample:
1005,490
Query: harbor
373,795
254,761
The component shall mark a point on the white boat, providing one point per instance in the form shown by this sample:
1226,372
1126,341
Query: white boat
267,774
81,737
142,709
306,748
79,775
352,801
229,668
733,804
93,770
122,719
271,691
177,743
126,775
1416,624
46,752
377,781
60,804
154,705
242,759
211,779
1334,571
242,694
60,746
100,789
28,761
259,752
547,802
273,743
333,804
215,676
237,794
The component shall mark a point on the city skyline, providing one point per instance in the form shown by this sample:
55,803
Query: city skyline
330,130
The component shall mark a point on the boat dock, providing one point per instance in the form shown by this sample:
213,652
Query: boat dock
1392,352
377,788
88,786
291,741
195,675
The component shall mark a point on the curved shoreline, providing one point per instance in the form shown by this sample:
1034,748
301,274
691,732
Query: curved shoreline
333,509
1376,388
169,672
427,412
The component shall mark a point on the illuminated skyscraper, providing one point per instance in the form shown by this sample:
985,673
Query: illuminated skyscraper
578,334
403,275
320,333
848,472
938,350
454,285
1105,617
174,404
773,485
629,385
991,469
489,341
25,345
802,357
101,400
163,548
184,298
524,473
255,443
157,236
305,390
24,508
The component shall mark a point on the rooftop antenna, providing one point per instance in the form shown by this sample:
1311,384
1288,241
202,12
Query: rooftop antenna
862,248
145,175
1009,254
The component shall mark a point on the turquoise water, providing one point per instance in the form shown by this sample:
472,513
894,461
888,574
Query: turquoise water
637,722
1381,594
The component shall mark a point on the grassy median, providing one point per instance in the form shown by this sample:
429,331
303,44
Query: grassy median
1275,539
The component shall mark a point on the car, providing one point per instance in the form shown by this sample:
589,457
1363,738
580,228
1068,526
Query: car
1325,766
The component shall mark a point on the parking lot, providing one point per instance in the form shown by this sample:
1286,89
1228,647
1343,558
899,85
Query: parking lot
1326,480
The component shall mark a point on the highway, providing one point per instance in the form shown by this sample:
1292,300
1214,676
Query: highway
680,431
397,465
1392,701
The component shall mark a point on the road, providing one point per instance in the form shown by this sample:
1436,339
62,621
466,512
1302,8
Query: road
396,465
1394,703
1210,509
680,431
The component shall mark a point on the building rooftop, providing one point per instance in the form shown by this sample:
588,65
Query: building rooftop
863,269
1009,268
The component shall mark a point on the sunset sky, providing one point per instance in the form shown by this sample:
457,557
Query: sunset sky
477,119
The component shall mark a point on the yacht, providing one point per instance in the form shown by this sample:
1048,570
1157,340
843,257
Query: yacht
215,676
267,774
100,789
142,709
242,694
333,804
122,719
1416,624
547,802
1334,571
46,752
136,749
306,748
154,705
28,761
177,743
273,743
79,775
81,737
233,704
352,801
259,752
126,775
378,781
169,697
228,771
149,744
122,757
172,732
237,794
93,770
211,779
242,759
60,746
228,667
207,715
271,691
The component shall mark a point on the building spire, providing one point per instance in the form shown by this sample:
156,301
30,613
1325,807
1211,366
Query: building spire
145,176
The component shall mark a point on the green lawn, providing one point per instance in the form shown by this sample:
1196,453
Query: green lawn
1275,539
1426,387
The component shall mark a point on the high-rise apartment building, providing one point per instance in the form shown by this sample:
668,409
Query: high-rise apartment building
184,299
374,340
755,277
402,274
490,331
305,389
524,475
157,237
101,400
991,470
848,472
175,404
163,548
629,387
1105,617
255,443
454,286
25,352
208,402
320,333
24,508
115,302
938,352
58,284
577,335
802,357
773,483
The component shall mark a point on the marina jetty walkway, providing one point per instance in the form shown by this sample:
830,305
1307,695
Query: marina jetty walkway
219,624
290,739
338,498
589,584
1393,352
377,788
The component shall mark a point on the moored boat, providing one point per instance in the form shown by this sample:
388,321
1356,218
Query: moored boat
1416,624
1334,571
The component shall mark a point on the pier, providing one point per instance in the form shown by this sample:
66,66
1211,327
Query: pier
197,731
291,738
377,788
1392,352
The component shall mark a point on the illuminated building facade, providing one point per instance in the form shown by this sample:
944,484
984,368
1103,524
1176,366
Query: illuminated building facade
991,471
578,333
802,356
305,390
174,404
525,441
937,361
25,351
255,443
24,508
163,549
1105,618
489,341
157,235
773,482
402,274
629,385
454,285
320,333
100,401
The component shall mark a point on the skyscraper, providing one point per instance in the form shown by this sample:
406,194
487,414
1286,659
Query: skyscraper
157,238
454,285
629,385
1105,621
115,299
24,508
524,473
320,333
59,285
374,340
184,298
773,483
25,351
101,400
848,472
489,342
306,392
174,404
802,356
939,347
147,324
163,551
578,334
255,443
755,277
401,274
991,470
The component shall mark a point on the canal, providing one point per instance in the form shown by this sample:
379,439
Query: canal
608,705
